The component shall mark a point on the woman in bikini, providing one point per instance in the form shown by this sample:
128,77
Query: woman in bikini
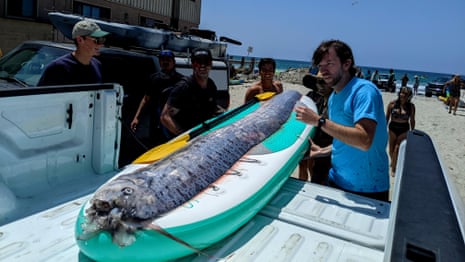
401,113
266,69
454,86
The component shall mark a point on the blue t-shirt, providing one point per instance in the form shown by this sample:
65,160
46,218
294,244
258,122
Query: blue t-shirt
354,169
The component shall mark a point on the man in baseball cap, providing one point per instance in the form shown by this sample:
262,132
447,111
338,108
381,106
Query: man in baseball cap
80,66
201,55
193,99
161,83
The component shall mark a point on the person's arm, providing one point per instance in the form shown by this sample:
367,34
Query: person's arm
444,89
167,120
316,151
135,120
412,118
388,112
54,75
279,86
360,136
251,92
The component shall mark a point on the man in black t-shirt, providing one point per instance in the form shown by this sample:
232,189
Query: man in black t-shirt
193,99
161,84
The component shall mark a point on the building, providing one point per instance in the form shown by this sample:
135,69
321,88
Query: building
28,20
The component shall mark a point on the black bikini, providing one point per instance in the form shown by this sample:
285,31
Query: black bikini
399,128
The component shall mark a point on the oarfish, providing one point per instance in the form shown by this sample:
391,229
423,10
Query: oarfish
131,201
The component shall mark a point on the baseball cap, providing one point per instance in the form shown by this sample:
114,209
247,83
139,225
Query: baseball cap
166,53
201,54
87,28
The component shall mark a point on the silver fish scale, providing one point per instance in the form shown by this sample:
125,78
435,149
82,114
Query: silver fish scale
172,181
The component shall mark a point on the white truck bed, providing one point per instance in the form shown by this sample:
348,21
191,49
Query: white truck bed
302,222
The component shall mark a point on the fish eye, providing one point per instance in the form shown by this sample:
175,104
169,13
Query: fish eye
127,191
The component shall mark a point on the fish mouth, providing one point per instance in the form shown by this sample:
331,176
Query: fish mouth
104,215
102,206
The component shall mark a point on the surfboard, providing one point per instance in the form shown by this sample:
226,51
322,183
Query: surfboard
221,209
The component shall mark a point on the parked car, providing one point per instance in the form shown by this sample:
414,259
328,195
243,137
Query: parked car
436,87
24,65
383,81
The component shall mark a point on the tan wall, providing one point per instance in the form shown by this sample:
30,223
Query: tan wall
14,32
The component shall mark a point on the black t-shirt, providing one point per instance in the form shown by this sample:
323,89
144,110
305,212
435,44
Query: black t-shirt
195,104
160,86
67,70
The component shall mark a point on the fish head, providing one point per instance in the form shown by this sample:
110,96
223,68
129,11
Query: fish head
125,202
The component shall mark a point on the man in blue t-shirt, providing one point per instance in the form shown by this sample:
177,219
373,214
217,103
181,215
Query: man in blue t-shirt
356,122
80,66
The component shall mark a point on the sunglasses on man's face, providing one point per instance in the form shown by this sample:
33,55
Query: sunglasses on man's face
202,61
97,40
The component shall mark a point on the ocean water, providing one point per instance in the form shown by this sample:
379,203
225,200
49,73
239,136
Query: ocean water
425,77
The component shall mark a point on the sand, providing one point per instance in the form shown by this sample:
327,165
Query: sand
446,130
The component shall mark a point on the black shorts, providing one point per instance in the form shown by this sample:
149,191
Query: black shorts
399,128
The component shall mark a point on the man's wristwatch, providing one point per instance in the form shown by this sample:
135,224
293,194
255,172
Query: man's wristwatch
321,122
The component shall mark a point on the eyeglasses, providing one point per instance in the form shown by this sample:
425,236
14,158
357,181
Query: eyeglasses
202,61
97,40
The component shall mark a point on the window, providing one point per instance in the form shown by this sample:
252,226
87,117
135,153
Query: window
22,8
91,11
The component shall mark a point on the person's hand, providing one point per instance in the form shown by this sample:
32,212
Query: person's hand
134,124
219,110
316,151
306,115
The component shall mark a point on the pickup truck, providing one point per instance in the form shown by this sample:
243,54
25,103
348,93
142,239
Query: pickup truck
24,65
57,144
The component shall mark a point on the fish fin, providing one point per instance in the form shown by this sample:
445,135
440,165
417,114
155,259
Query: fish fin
89,230
180,241
123,238
87,235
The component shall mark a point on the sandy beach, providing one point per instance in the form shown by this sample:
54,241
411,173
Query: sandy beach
431,117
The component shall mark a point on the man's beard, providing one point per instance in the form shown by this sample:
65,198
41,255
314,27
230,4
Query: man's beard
335,80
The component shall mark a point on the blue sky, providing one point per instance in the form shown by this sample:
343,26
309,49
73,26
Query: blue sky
423,35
